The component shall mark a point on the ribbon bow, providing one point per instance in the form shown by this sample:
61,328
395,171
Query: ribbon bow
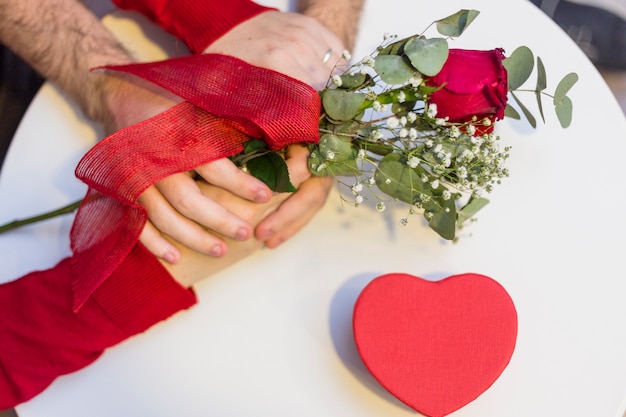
228,102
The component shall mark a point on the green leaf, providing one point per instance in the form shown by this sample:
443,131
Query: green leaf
272,170
509,111
340,148
564,86
394,178
342,105
253,145
355,81
443,219
527,113
427,55
454,25
470,209
542,82
564,110
393,69
330,168
519,66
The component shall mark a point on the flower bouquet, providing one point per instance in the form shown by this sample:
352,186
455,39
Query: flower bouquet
413,122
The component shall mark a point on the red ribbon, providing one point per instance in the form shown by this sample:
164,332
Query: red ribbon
227,103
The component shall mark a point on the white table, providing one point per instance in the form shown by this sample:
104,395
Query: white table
272,335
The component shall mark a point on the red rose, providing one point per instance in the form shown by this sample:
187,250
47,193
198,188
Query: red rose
474,84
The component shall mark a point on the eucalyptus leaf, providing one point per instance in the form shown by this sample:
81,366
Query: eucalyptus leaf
564,86
393,69
342,105
442,218
527,113
272,170
340,149
427,55
509,111
355,81
319,167
470,209
564,110
394,178
542,83
519,66
454,25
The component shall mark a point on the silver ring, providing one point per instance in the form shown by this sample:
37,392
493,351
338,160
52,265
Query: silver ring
327,56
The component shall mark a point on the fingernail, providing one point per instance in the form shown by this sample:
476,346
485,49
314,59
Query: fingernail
261,195
170,257
242,234
217,251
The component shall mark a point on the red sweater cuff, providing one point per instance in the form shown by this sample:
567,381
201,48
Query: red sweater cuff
197,23
140,293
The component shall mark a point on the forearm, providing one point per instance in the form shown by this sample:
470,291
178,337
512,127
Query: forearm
341,17
62,41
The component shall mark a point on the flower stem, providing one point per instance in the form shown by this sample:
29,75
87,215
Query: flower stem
70,208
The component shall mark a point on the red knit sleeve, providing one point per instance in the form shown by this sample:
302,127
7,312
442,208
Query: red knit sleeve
196,22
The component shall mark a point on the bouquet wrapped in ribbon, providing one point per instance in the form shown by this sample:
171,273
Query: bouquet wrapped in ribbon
415,122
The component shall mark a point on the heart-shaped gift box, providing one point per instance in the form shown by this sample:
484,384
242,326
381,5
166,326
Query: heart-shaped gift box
435,345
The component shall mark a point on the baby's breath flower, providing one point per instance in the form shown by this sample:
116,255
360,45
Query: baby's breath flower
361,154
413,133
431,111
369,61
411,117
337,80
415,81
358,199
380,206
401,97
454,132
357,188
393,122
413,162
330,155
471,130
441,121
377,106
434,184
446,195
376,135
346,55
403,133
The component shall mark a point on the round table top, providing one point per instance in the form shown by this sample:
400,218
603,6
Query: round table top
272,335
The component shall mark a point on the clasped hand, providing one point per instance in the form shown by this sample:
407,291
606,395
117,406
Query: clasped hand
181,210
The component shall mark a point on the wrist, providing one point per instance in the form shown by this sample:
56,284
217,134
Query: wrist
122,100
196,23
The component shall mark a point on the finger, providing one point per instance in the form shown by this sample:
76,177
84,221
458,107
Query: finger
158,245
296,158
290,218
183,194
170,222
224,173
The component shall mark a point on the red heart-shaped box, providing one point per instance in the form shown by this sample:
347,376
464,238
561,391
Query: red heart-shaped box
435,345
